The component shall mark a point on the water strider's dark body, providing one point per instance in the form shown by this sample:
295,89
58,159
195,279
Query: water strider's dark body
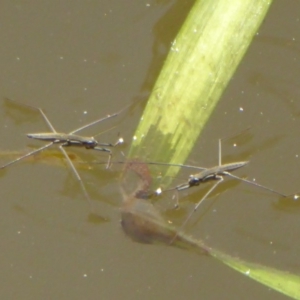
70,140
143,223
213,173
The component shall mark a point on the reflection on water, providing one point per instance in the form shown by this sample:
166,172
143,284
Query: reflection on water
49,157
141,221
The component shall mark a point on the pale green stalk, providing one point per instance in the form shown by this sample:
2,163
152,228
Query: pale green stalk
201,61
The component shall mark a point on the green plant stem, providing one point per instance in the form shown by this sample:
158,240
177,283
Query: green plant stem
201,61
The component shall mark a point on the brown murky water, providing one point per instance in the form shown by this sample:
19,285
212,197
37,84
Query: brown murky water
82,60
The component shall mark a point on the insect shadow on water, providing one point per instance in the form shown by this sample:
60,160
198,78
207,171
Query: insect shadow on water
68,140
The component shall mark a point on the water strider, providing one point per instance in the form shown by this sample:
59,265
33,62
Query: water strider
67,140
215,174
